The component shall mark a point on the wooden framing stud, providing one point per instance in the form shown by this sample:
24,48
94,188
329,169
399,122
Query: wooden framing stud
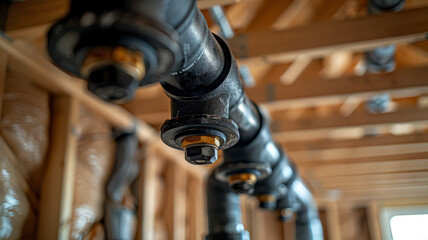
176,202
56,198
3,72
146,208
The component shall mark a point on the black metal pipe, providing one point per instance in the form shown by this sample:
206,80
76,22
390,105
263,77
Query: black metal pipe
224,212
207,95
200,75
308,224
119,218
382,59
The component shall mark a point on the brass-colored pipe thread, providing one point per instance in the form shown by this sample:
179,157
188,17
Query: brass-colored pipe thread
132,62
208,140
265,198
249,178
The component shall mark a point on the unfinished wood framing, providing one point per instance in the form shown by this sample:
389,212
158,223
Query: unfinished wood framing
317,112
146,208
317,91
361,119
58,184
333,221
323,38
176,202
3,72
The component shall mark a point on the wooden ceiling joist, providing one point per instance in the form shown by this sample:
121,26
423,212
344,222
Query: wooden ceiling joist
204,4
348,169
362,142
322,38
357,119
363,154
315,161
385,193
317,91
375,180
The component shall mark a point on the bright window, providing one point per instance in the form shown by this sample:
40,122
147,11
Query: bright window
405,227
404,222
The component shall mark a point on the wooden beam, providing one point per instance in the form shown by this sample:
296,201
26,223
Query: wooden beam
374,221
35,12
262,20
333,221
317,91
362,142
204,4
385,193
295,70
310,122
56,199
353,154
176,202
336,64
390,183
366,168
306,162
147,205
296,10
198,218
382,178
323,38
3,72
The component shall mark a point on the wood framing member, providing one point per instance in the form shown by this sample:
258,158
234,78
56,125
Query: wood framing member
204,4
350,143
196,203
318,91
175,208
322,38
147,201
311,122
3,72
385,193
361,154
346,181
397,179
333,220
366,168
56,200
374,221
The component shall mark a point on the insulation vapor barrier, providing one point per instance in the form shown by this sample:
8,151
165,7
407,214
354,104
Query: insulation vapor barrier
93,167
24,146
24,126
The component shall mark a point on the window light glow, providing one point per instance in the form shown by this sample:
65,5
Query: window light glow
406,227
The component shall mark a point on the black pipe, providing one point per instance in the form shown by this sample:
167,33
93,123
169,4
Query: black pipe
382,59
207,95
308,224
200,75
224,212
256,154
118,217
